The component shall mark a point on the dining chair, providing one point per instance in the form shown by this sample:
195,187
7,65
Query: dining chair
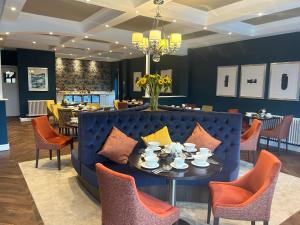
47,138
122,203
248,198
207,108
64,117
280,132
233,110
249,139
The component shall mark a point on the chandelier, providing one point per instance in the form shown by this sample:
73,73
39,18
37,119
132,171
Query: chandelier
158,43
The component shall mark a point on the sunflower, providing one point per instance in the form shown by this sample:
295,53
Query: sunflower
160,81
143,80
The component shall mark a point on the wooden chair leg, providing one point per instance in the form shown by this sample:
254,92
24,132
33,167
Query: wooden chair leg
266,222
208,209
50,154
37,152
286,145
58,158
279,142
72,145
216,221
268,139
252,222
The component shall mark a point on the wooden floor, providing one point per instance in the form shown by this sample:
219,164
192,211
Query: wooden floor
16,203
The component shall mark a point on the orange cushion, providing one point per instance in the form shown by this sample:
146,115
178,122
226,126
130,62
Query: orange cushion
228,194
118,146
203,139
154,204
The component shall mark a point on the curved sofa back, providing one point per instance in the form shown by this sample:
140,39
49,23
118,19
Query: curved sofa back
94,127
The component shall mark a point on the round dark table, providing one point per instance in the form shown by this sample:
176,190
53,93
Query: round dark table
191,173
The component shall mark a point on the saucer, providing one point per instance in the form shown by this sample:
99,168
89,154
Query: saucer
190,151
184,166
154,148
206,164
144,155
144,165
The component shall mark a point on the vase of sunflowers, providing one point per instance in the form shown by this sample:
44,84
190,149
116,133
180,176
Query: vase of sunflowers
155,83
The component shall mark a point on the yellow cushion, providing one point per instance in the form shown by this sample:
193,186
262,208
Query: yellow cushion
162,136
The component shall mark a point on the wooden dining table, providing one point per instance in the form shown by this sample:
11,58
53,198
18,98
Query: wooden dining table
191,173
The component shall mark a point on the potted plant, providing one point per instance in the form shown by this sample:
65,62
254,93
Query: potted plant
154,83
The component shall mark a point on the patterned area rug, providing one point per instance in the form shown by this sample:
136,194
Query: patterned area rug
60,198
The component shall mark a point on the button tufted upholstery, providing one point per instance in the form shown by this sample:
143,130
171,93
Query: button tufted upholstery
94,127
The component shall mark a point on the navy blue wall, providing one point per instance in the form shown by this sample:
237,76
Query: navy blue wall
35,58
203,71
3,126
9,57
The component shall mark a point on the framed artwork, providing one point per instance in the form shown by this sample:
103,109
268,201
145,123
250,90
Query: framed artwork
284,81
37,79
136,77
253,81
169,73
227,81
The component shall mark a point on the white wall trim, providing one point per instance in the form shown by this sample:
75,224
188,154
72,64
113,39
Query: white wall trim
25,119
4,147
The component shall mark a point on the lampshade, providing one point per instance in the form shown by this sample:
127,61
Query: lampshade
164,44
155,35
145,43
137,38
175,38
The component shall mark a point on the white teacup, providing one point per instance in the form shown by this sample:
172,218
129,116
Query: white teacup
189,146
178,161
200,159
153,144
151,160
204,151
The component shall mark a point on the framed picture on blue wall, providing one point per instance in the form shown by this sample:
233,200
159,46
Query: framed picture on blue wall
227,81
136,77
284,81
37,79
253,81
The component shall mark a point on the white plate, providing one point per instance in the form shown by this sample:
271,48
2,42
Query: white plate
185,166
190,151
149,167
200,165
154,148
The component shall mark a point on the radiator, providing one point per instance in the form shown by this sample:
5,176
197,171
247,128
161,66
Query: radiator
294,137
37,107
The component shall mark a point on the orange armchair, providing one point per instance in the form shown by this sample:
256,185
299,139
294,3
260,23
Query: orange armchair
47,138
121,203
249,198
250,138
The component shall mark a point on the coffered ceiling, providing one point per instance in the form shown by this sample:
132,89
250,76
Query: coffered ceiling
101,29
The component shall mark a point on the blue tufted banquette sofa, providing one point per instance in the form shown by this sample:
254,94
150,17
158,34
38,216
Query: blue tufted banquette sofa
94,127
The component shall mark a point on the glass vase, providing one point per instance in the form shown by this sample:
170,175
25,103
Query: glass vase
153,102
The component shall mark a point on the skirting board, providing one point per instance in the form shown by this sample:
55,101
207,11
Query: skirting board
4,147
275,144
25,119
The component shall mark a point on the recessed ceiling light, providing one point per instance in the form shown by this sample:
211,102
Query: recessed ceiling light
99,53
116,42
13,8
106,25
7,33
71,54
130,53
73,41
88,0
230,33
1,38
110,51
88,49
204,28
86,36
54,49
90,56
174,21
260,14
51,33
124,47
34,42
63,46
137,11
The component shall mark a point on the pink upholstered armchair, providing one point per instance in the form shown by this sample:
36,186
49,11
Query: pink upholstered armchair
122,204
250,138
280,132
249,198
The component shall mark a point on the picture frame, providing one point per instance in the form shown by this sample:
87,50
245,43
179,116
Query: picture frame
253,79
284,81
169,73
227,77
136,77
37,79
